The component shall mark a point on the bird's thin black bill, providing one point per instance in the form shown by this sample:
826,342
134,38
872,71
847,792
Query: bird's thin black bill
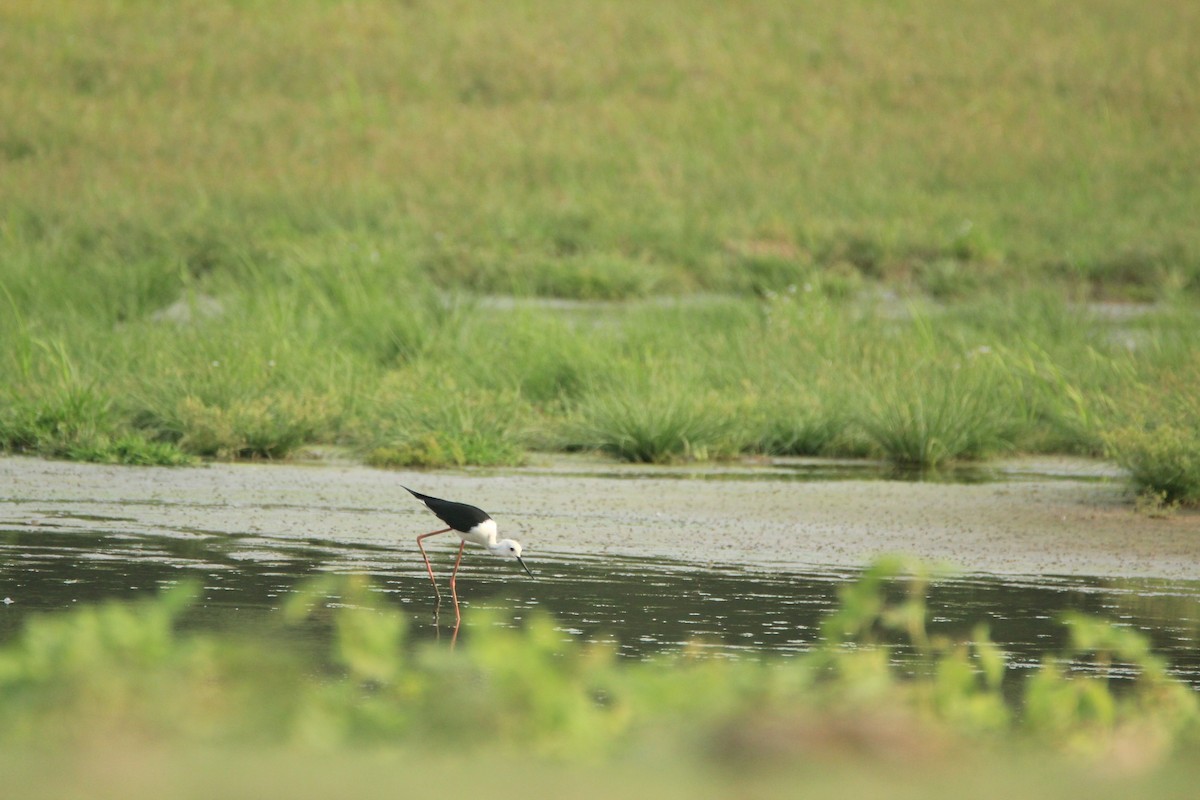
522,563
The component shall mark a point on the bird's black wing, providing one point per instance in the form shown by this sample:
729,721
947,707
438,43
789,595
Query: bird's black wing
459,516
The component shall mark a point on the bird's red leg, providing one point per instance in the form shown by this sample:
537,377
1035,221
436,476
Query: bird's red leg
428,566
454,587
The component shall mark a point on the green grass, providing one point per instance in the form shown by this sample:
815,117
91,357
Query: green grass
443,380
78,423
926,403
654,425
443,425
1163,459
1158,440
599,152
231,232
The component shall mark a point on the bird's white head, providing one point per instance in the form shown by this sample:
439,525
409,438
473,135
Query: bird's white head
509,548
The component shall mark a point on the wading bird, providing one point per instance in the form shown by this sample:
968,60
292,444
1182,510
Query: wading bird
473,525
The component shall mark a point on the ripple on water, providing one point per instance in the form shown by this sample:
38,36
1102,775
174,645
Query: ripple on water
642,605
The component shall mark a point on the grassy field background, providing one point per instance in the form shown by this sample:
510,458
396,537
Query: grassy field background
237,229
599,150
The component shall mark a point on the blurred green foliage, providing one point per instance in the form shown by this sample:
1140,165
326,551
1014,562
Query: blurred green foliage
129,670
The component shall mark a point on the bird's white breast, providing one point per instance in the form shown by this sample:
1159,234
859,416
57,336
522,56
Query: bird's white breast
484,533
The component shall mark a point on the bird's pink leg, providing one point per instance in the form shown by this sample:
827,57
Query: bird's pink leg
428,566
454,587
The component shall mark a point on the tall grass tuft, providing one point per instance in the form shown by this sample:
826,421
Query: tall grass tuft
796,424
1063,408
549,358
78,425
654,424
270,427
926,412
435,422
1160,445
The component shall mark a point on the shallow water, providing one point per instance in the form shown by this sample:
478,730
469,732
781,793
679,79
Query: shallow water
643,605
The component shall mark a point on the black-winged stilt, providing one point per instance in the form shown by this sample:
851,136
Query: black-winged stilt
473,525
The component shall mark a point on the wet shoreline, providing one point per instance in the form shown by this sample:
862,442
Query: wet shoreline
1066,517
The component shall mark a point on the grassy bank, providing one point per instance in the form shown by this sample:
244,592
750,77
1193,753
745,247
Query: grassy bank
435,381
228,231
112,682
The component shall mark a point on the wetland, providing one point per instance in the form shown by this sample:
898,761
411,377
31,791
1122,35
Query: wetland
739,560
709,305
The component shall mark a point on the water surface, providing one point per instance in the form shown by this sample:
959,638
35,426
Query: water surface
643,605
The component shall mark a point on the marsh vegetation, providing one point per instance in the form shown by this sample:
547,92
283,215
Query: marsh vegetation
432,380
230,235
